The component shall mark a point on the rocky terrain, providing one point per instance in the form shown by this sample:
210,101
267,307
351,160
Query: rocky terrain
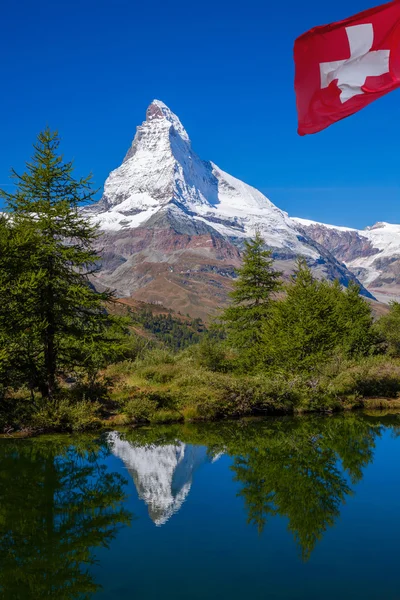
173,225
372,254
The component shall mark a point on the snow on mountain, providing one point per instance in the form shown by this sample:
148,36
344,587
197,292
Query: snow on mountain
161,170
173,225
162,474
372,254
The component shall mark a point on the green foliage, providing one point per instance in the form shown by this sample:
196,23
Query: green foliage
251,302
90,356
139,409
176,334
315,321
71,413
388,328
369,377
186,389
19,328
51,318
157,356
211,353
16,410
354,321
301,469
62,505
68,416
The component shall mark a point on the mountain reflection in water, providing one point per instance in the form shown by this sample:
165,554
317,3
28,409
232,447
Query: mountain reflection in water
62,499
298,468
162,474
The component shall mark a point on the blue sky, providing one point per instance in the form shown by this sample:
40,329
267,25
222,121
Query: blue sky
89,68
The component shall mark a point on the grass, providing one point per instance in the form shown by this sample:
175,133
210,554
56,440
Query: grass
161,387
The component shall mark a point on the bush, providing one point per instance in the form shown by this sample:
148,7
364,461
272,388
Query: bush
16,411
211,354
156,356
388,328
167,416
140,409
66,415
372,377
120,370
160,373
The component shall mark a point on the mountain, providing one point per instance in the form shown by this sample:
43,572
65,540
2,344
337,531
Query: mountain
162,474
372,254
173,225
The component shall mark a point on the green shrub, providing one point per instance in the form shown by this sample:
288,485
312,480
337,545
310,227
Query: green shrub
211,354
121,369
94,390
160,373
140,409
66,415
376,376
16,411
166,416
388,328
156,356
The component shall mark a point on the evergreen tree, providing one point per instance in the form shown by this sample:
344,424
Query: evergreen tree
18,317
252,296
354,321
388,328
303,331
316,320
47,304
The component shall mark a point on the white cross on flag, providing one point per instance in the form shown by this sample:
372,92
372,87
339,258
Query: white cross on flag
342,67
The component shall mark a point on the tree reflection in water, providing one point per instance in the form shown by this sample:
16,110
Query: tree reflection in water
57,506
302,470
298,468
59,502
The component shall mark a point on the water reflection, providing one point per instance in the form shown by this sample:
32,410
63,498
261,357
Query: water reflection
162,473
59,500
301,469
57,503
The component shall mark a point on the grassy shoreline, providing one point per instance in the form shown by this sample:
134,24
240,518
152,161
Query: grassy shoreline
163,388
368,406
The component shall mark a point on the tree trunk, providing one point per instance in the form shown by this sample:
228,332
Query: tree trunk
50,362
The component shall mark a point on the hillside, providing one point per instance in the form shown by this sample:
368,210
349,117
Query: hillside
372,254
173,225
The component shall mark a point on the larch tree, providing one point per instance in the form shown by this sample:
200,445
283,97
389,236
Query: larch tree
316,320
303,330
252,295
48,306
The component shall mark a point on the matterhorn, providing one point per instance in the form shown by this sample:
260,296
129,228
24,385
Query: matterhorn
173,225
162,474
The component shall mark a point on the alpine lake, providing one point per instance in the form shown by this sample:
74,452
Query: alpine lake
275,508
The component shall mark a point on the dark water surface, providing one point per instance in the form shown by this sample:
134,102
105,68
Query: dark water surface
291,508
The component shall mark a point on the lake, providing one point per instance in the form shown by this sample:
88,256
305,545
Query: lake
279,508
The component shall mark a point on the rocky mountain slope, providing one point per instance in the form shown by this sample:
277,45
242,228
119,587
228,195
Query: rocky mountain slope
372,254
173,225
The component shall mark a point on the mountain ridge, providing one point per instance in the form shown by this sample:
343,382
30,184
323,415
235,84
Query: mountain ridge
372,254
173,225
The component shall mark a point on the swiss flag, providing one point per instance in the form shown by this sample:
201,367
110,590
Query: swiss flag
342,67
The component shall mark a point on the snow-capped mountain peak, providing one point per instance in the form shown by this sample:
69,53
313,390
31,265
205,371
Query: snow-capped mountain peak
159,110
161,170
174,225
372,254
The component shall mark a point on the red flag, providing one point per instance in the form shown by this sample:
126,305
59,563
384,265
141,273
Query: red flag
342,67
